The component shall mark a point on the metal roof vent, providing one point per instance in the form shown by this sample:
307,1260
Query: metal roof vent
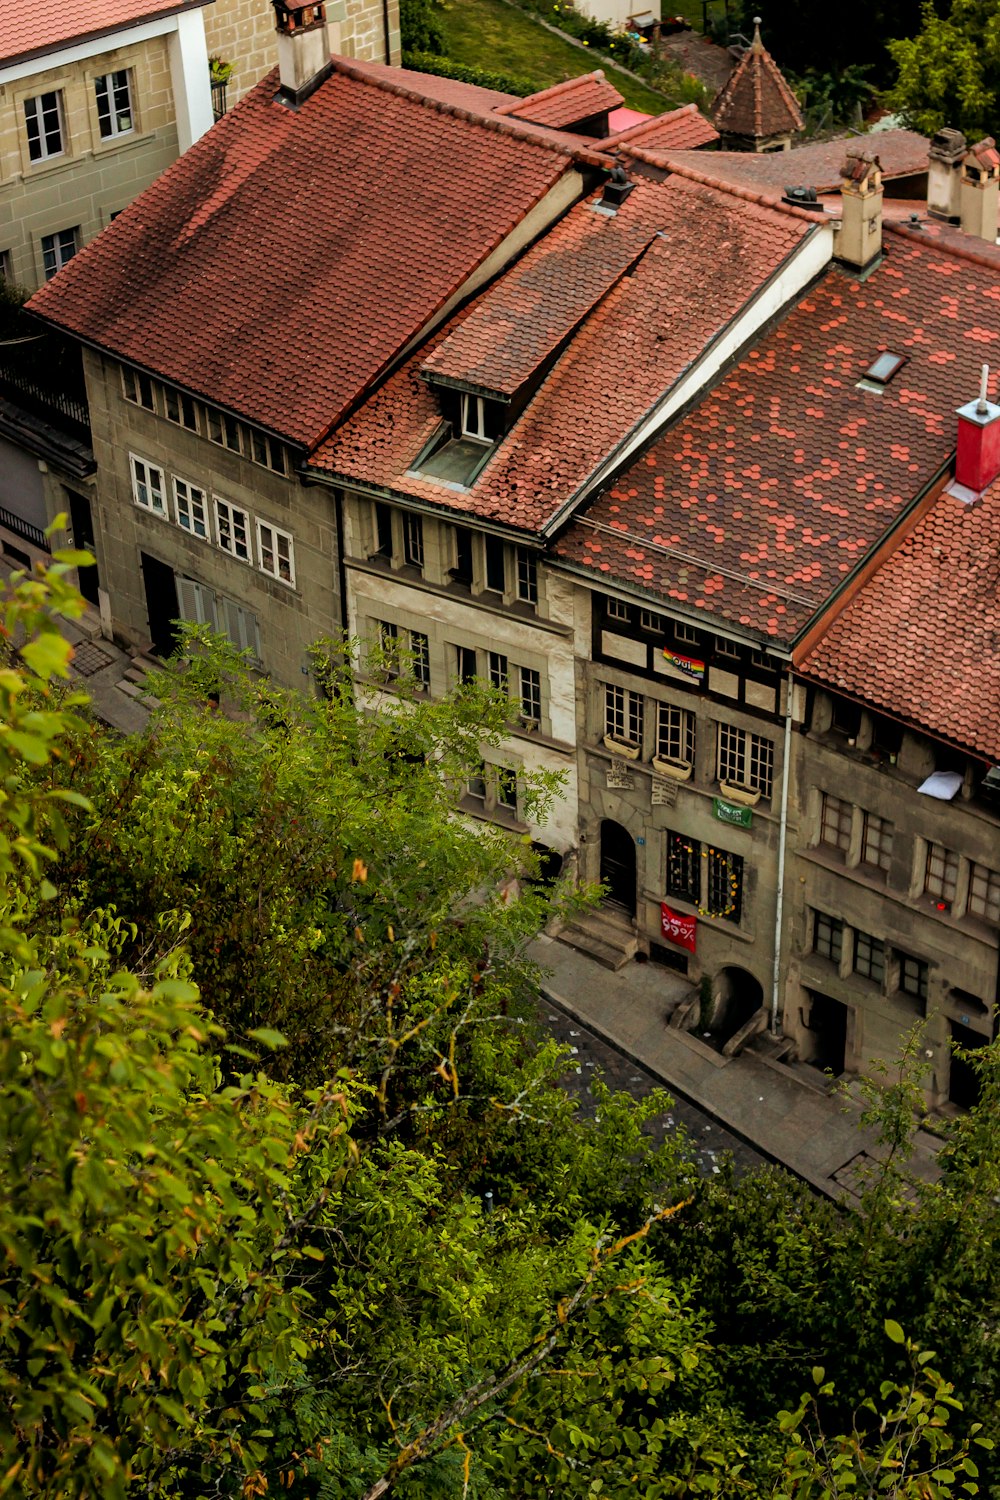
616,189
801,197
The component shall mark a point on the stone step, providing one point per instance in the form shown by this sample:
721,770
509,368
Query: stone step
609,920
130,689
135,674
144,663
606,954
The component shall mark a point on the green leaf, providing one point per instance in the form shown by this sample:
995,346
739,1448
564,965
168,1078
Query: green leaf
894,1332
268,1037
48,655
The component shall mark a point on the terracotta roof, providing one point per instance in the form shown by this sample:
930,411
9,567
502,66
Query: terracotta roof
566,103
288,256
31,28
679,130
756,102
526,314
762,500
921,640
860,165
709,255
984,153
901,153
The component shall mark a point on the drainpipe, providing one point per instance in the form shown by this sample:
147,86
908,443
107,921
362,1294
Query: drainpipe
782,840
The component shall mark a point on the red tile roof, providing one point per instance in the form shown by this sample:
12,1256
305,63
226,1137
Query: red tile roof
281,264
678,130
711,255
761,501
566,103
901,153
756,102
526,314
921,640
31,28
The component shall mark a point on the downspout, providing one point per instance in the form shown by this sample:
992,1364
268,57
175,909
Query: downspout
782,841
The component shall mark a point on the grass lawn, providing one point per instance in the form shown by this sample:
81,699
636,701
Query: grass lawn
491,34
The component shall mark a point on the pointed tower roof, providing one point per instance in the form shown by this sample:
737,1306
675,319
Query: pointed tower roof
756,103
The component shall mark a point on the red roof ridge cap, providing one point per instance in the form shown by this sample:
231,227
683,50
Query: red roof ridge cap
765,200
554,91
943,247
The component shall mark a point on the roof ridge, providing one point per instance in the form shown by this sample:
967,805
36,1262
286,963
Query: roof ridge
521,132
554,91
944,247
763,199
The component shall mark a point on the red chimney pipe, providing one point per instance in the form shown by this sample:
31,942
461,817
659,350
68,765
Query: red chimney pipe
977,461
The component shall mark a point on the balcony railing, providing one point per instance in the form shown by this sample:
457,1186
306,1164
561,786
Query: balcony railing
61,408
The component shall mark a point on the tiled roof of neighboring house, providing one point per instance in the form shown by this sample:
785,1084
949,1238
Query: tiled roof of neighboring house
282,263
756,102
566,103
31,28
679,130
921,640
761,501
901,153
708,257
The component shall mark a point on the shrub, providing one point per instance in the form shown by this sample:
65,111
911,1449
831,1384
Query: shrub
444,67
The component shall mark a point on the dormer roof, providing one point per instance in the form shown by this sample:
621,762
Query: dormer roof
757,103
31,30
567,103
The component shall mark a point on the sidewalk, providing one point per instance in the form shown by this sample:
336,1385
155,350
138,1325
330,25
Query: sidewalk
795,1123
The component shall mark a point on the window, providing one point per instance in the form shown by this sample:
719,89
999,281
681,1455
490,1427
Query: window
684,867
984,893
726,648
276,552
191,508
388,645
913,975
745,759
474,418
835,823
114,104
622,715
267,452
43,118
941,873
58,250
138,388
618,610
506,788
649,621
876,841
527,576
475,787
531,695
465,665
846,719
232,529
498,671
224,430
685,634
725,884
148,488
6,268
179,408
869,957
494,790
383,530
420,655
882,369
462,572
674,733
828,936
761,659
496,571
413,540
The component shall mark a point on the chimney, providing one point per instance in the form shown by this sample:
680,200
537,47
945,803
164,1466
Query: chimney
303,48
977,462
858,240
944,174
980,192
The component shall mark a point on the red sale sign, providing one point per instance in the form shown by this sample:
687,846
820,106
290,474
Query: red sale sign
678,929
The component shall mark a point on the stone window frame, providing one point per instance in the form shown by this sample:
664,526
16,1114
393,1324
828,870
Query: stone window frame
115,132
55,249
676,732
36,117
744,758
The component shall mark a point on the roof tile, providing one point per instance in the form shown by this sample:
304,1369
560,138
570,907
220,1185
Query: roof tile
31,28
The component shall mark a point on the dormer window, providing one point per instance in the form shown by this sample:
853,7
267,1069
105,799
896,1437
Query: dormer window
463,443
474,418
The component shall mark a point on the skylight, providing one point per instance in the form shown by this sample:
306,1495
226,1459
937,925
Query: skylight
884,368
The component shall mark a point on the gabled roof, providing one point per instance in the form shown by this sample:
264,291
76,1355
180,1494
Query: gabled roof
288,257
680,130
761,501
566,103
31,28
817,164
707,257
756,102
921,641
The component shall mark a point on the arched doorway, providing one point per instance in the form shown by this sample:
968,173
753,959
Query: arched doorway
736,996
618,867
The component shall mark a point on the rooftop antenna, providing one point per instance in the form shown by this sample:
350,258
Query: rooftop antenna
982,405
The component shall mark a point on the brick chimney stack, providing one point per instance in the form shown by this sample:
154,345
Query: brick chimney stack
858,240
977,461
980,192
303,48
944,175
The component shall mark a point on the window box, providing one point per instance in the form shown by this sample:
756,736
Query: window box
747,796
668,765
622,747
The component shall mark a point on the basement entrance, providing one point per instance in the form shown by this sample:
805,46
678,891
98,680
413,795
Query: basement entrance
963,1084
828,1024
161,603
82,523
736,996
618,867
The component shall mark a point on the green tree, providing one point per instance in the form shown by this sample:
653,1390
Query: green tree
949,73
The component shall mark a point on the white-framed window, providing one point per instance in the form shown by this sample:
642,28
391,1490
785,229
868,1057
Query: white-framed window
413,539
686,634
420,656
941,873
179,408
828,936
43,120
224,429
6,267
745,759
388,645
138,388
674,733
191,508
835,822
617,609
114,104
276,552
876,841
726,648
498,669
496,566
148,485
58,250
622,714
205,607
466,665
232,530
527,576
474,418
984,893
493,789
531,694
650,621
268,452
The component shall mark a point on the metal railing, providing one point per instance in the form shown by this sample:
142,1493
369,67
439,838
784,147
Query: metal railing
24,529
44,400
